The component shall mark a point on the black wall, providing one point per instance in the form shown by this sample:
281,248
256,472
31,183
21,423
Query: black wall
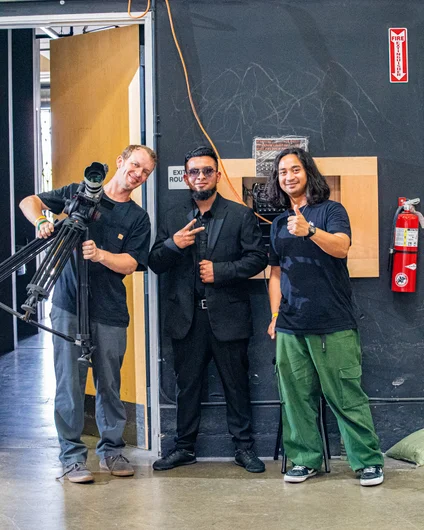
6,320
315,68
22,136
23,154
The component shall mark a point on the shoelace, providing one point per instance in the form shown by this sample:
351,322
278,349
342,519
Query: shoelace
173,451
75,466
118,458
300,468
371,469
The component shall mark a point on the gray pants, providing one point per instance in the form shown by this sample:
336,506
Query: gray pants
71,377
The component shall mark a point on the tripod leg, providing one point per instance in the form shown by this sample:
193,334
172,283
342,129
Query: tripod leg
83,314
324,433
279,434
55,260
24,256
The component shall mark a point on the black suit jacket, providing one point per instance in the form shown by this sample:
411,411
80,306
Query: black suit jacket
236,249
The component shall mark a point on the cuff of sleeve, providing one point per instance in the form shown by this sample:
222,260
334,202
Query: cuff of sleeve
169,243
221,273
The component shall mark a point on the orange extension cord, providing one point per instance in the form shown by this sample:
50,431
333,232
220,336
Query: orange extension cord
193,107
142,14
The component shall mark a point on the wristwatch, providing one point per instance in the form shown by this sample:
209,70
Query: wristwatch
311,231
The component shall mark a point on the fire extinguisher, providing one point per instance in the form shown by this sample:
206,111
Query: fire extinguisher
404,246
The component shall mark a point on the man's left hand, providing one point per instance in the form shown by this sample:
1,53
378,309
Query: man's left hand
297,224
206,271
91,252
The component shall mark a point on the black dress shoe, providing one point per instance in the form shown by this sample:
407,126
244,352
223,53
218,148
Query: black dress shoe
176,457
247,458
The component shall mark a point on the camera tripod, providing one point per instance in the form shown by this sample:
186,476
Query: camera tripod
69,234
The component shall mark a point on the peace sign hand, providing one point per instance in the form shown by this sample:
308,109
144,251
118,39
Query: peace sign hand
187,235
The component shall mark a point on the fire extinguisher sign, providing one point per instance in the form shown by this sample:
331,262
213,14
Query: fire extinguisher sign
398,55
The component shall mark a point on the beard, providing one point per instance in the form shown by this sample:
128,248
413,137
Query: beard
202,195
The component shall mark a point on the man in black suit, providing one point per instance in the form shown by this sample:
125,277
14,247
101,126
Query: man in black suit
209,246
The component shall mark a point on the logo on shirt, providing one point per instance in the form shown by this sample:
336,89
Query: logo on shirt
120,236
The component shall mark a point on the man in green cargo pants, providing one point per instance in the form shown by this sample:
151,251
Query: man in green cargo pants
318,346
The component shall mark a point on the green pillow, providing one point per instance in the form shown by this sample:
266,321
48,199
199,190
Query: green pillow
410,448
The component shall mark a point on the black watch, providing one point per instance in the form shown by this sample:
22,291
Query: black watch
311,231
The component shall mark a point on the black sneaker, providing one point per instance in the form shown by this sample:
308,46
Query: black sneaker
371,476
176,457
77,472
299,474
247,458
117,465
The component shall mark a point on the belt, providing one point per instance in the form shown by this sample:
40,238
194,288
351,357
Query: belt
201,303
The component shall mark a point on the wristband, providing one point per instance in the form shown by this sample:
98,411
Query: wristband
274,315
40,223
39,219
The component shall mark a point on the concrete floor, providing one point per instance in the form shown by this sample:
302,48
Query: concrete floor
212,495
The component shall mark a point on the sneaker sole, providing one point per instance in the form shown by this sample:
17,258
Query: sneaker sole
250,470
288,478
81,480
372,481
173,467
116,473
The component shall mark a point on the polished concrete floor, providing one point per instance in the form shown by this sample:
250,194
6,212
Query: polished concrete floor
211,495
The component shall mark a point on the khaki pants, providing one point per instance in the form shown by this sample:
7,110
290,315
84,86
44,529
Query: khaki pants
308,365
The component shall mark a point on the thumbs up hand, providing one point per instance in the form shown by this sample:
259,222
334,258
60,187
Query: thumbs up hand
297,224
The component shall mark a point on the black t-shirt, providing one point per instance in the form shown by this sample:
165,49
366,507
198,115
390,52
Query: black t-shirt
123,229
315,287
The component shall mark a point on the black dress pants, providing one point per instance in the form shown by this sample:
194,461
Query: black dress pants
192,355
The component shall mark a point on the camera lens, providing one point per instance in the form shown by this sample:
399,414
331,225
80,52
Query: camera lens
94,175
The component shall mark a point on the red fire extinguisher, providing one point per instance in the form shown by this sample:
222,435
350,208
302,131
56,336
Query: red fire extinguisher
404,247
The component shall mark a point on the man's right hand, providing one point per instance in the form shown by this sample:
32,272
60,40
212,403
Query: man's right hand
187,235
271,328
46,230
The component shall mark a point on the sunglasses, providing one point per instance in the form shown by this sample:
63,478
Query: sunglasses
195,172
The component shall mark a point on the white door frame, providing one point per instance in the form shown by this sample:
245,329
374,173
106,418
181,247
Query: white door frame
121,19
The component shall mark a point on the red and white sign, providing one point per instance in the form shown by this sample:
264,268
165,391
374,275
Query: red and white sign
398,55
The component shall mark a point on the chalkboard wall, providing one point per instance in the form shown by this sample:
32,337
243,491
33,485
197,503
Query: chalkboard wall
320,69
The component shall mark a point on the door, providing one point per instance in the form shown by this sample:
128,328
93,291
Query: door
95,103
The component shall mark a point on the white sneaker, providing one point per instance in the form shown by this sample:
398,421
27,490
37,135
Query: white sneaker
299,474
371,476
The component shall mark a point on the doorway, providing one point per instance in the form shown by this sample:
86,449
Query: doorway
143,362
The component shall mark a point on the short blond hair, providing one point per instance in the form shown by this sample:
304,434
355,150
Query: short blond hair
126,153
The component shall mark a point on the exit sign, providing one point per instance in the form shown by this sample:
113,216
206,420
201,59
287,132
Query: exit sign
398,55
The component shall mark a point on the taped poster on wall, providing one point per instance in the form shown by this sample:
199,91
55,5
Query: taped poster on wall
266,149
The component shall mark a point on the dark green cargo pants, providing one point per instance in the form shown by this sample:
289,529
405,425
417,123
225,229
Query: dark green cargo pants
308,365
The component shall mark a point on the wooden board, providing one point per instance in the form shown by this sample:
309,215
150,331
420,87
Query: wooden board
354,182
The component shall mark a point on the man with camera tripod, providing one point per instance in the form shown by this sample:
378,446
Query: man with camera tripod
119,245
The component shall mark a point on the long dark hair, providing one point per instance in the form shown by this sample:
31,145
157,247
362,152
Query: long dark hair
317,189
